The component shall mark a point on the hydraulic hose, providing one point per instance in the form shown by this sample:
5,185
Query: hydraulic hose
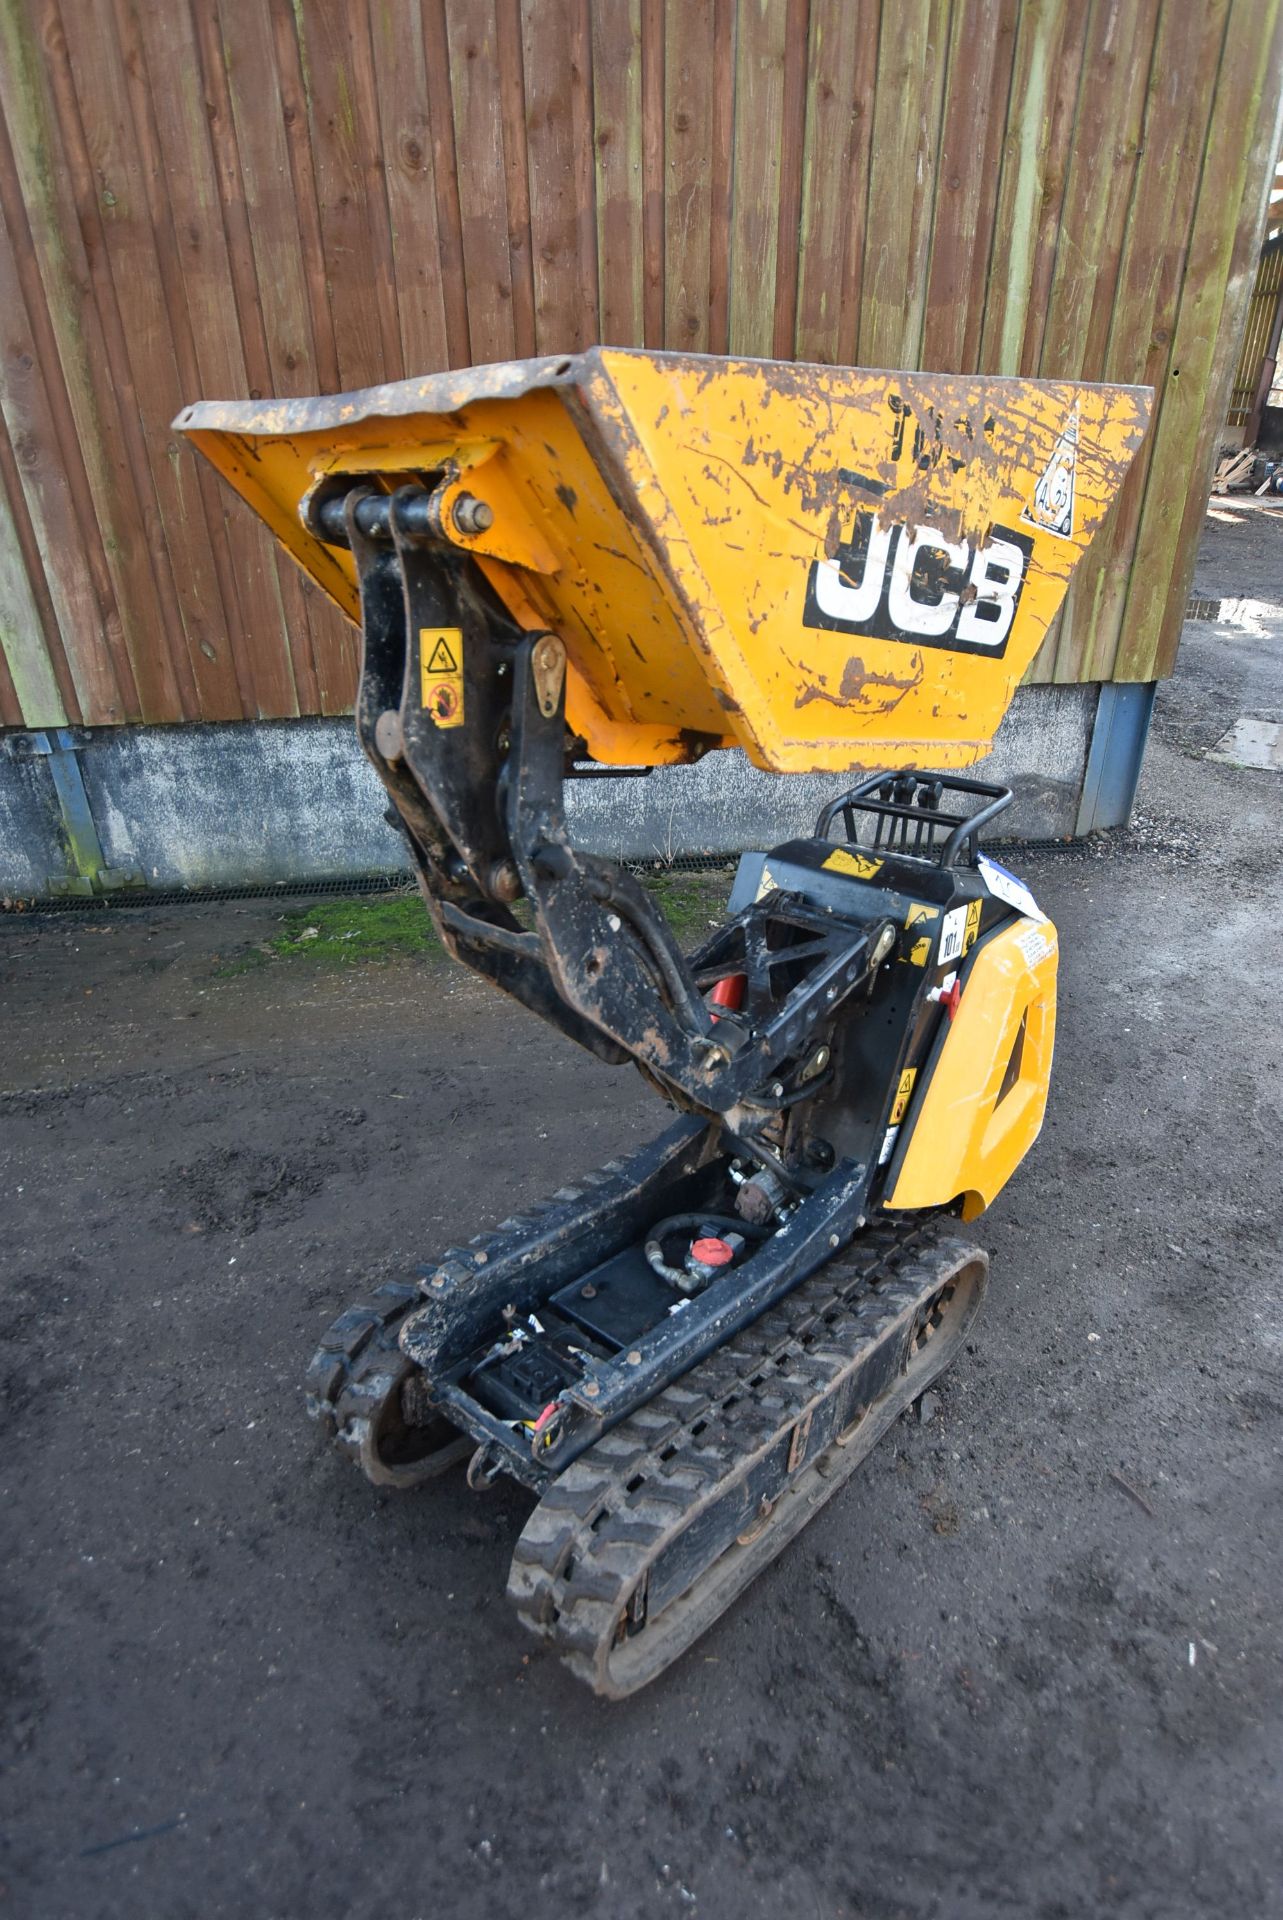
691,1223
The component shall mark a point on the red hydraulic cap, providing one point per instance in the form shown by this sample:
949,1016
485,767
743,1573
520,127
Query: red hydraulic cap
712,1253
949,995
728,992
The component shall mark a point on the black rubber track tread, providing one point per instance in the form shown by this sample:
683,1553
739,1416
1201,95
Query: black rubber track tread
353,1376
591,1542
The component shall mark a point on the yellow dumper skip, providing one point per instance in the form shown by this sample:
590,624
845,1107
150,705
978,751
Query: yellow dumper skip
831,568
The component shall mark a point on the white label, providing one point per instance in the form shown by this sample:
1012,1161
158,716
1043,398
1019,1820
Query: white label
1052,506
888,1145
1005,886
1035,946
953,931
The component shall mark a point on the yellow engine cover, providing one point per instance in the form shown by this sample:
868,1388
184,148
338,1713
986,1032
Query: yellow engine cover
982,1107
829,567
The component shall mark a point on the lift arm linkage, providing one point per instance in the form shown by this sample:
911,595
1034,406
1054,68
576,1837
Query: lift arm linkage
462,713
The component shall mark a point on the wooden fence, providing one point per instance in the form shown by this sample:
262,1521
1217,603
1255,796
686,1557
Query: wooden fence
227,197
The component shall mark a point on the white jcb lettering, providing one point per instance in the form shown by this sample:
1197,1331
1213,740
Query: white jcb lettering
996,575
918,585
836,596
930,618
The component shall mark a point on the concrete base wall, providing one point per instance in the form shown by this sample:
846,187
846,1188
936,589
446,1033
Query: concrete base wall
244,805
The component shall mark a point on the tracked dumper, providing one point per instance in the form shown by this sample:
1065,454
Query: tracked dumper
629,560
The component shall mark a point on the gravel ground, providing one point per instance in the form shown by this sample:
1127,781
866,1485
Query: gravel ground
1027,1664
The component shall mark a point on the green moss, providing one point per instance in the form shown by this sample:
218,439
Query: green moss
693,903
391,926
345,932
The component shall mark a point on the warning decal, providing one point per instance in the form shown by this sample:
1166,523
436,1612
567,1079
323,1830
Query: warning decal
858,865
902,1093
952,934
973,926
1052,506
441,674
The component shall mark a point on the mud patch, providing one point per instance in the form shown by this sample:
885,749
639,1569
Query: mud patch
239,1189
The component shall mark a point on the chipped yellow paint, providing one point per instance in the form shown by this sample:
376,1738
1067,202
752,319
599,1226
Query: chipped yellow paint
970,1136
858,865
693,529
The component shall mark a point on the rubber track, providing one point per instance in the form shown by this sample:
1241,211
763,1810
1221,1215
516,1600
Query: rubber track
358,1366
602,1526
354,1376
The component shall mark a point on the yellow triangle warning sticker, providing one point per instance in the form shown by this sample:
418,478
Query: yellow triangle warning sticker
441,660
441,675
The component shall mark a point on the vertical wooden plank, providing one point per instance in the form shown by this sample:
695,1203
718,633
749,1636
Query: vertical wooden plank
720,175
988,161
556,62
478,135
445,177
841,73
1044,71
10,705
94,412
43,511
29,638
512,100
1219,266
956,267
285,676
1069,82
689,51
620,187
401,89
912,56
759,132
130,288
347,159
322,654
247,53
296,120
1102,173
789,223
1084,211
1150,269
654,177
195,475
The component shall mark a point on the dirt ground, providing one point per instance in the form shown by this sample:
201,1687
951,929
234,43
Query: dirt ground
1028,1664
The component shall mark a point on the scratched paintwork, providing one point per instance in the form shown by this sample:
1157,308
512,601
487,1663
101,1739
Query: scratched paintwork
663,513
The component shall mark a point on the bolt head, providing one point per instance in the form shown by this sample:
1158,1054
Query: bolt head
472,515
